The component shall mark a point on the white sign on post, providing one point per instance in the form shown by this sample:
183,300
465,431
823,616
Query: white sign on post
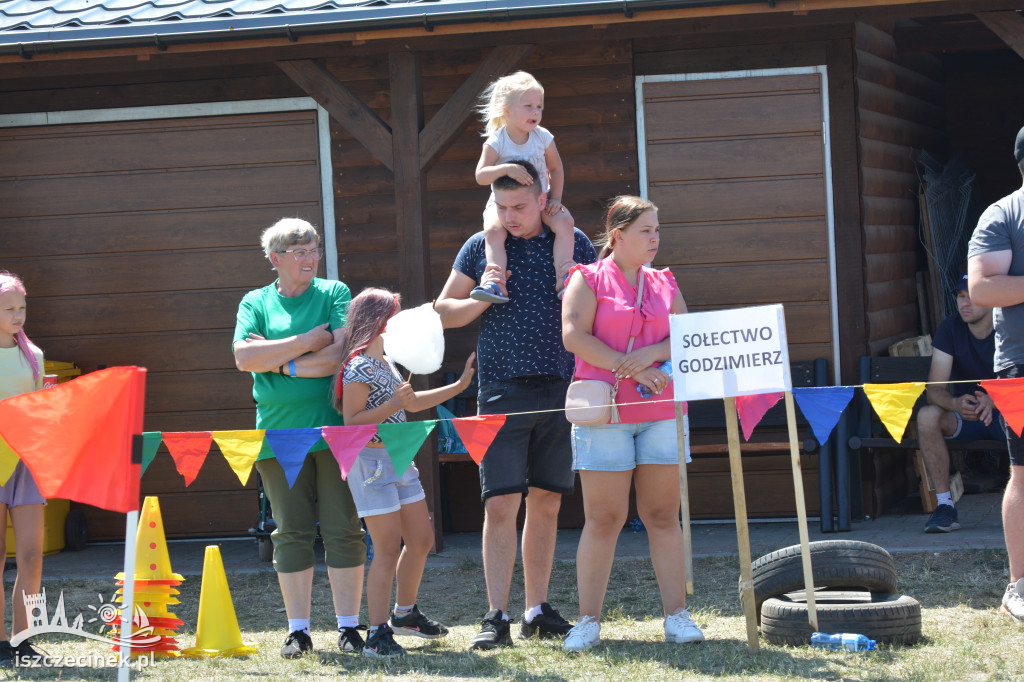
727,353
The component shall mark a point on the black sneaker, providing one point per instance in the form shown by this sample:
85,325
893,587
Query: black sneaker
942,520
297,644
494,632
548,625
382,644
6,655
26,653
416,624
349,639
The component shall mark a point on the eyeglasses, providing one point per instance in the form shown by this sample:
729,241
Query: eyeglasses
300,254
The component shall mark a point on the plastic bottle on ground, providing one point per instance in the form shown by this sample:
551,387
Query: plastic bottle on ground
842,642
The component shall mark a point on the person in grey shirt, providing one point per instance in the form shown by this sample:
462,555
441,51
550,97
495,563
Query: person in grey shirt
995,274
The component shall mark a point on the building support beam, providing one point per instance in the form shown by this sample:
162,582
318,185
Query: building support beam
1008,25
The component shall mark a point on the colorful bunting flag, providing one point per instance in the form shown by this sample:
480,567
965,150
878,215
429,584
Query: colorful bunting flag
290,446
240,449
76,438
1008,396
346,442
150,444
189,450
752,408
478,433
403,441
822,407
8,460
894,403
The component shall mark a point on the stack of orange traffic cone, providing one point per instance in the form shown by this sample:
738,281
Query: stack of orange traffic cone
153,626
217,633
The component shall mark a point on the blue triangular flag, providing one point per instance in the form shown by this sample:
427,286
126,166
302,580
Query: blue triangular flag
290,447
822,406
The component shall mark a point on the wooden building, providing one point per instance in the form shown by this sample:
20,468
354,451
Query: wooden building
142,150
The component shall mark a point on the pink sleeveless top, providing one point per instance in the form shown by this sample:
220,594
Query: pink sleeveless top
616,318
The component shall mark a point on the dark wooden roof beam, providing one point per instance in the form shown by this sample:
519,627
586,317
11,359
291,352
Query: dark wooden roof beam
1009,26
947,37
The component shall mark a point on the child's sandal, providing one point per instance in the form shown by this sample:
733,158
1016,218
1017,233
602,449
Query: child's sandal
490,293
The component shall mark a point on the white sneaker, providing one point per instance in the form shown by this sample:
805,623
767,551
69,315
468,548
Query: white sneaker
680,628
585,634
1013,600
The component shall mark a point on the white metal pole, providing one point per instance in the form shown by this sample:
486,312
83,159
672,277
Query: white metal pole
128,596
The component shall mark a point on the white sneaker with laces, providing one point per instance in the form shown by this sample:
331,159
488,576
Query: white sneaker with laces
680,628
1013,600
585,634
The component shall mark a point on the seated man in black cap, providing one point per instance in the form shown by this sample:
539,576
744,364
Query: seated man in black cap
963,349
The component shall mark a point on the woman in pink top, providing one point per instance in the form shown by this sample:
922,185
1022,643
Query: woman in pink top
599,314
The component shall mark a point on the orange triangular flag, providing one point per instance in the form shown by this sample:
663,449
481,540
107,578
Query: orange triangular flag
894,404
189,450
76,438
1008,395
478,433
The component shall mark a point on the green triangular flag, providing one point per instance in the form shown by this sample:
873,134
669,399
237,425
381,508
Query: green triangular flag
150,442
403,441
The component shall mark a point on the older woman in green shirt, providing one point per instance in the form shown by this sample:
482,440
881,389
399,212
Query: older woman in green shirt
289,335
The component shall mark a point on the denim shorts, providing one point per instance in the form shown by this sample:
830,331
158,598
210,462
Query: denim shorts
530,450
976,429
1013,442
376,487
621,447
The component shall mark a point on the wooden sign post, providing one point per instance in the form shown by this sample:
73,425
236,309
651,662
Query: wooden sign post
725,354
684,495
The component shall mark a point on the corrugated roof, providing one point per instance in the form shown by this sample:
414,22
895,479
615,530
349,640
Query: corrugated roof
33,25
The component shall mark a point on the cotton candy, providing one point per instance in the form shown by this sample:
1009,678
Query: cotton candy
414,339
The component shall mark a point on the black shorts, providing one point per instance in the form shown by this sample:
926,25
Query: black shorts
1013,442
530,450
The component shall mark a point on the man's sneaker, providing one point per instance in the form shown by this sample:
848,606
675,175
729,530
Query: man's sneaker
494,632
349,640
26,653
1013,601
6,654
296,645
942,520
680,628
416,624
586,634
546,625
382,644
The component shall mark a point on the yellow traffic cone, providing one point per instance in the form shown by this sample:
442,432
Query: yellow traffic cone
217,633
151,559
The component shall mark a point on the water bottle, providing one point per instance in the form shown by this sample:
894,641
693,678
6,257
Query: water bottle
665,367
842,642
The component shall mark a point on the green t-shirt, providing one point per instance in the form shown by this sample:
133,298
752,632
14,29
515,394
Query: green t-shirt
284,402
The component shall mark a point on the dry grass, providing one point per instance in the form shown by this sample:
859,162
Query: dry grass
965,637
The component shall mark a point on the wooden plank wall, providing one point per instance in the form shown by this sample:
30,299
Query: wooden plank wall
899,110
588,107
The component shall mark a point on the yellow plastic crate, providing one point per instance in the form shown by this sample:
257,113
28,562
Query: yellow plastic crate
55,516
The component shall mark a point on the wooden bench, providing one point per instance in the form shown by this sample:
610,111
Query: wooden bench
870,434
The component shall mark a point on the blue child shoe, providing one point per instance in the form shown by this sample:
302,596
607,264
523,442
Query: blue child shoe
489,293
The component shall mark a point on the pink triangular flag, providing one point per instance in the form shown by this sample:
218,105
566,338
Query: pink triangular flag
752,408
346,442
189,450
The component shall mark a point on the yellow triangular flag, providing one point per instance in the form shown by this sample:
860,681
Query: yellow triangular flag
8,460
894,404
240,449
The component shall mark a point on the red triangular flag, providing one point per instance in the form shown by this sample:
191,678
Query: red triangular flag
76,438
477,433
1008,395
752,408
189,450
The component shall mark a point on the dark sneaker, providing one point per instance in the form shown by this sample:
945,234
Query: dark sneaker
549,624
494,632
297,644
26,653
382,644
349,640
416,624
6,655
942,520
